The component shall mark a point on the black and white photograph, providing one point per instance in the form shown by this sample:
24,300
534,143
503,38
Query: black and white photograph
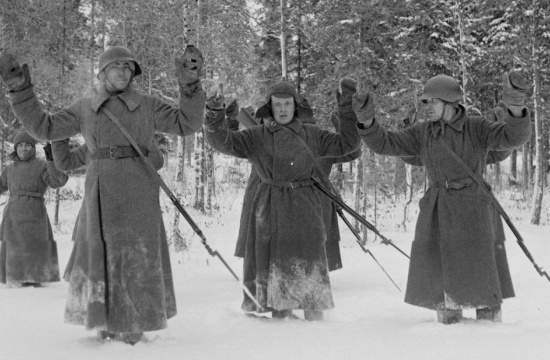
275,179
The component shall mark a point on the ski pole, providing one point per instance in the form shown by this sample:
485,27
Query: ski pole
177,204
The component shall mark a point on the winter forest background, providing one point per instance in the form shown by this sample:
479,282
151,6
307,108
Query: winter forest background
390,46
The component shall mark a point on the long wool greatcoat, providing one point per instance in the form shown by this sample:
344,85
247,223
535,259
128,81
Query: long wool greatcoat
121,279
28,251
454,262
68,159
285,262
334,257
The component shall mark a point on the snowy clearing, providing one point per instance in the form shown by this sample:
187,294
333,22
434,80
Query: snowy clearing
370,320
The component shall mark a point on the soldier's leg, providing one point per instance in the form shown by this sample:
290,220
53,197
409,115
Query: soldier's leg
449,316
313,315
491,313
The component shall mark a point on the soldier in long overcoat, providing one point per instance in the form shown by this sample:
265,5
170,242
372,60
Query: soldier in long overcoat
28,252
121,282
453,259
67,159
285,262
334,257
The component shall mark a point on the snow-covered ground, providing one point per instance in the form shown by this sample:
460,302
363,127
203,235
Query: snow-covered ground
370,320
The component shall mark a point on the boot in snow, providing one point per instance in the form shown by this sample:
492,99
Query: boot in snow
105,335
313,315
449,316
491,313
283,314
130,338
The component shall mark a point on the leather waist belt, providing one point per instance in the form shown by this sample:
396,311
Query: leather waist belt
456,184
288,184
117,152
27,193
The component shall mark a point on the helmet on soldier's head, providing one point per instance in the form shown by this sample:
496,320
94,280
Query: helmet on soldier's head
117,53
442,87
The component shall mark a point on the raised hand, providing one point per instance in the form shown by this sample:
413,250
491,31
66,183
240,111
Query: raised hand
346,89
515,89
16,77
188,70
363,106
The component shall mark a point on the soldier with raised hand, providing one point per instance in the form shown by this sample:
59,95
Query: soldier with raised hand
28,252
121,282
285,262
454,260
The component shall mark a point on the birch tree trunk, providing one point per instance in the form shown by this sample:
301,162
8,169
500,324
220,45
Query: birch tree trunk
538,189
358,193
200,153
283,41
61,91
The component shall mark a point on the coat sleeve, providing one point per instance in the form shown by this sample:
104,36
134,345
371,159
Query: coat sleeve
43,125
395,143
155,156
185,120
497,114
505,133
66,159
236,143
54,177
345,142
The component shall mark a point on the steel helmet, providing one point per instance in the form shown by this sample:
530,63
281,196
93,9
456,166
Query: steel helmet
442,87
117,53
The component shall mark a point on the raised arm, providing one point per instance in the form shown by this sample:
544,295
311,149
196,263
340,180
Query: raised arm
513,125
27,108
189,117
235,143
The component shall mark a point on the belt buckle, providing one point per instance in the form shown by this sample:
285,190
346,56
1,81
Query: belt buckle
112,152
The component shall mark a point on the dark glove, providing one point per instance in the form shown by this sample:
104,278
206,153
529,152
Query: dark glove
346,89
363,107
215,102
16,77
231,112
188,70
515,89
48,152
215,113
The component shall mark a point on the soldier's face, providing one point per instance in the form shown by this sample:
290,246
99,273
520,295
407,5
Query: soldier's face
283,109
435,109
118,75
24,150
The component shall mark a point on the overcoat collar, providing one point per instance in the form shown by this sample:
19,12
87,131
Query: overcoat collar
295,125
457,123
130,98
